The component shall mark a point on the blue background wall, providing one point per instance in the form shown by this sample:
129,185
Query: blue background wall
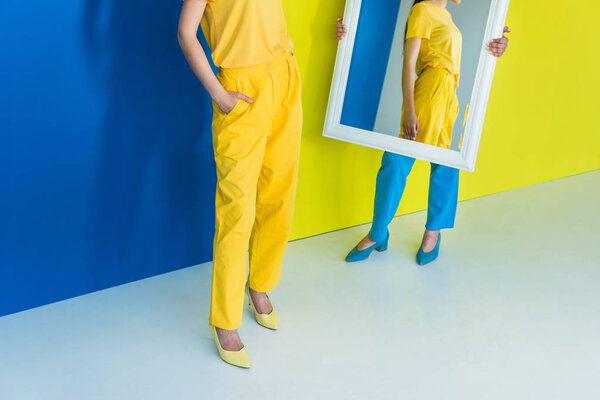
370,57
106,163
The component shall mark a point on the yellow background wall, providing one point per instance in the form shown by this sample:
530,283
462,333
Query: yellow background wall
540,124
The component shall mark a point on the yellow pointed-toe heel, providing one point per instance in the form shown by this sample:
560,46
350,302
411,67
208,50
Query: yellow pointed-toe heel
238,358
270,320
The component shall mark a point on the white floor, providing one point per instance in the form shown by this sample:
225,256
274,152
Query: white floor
511,310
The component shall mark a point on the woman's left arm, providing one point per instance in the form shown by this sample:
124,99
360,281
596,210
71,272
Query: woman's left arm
497,47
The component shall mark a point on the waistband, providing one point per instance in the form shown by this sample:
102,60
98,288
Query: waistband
264,66
443,70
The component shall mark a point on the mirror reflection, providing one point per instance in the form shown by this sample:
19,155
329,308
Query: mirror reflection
439,60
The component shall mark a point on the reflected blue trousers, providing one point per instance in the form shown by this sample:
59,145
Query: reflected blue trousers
391,181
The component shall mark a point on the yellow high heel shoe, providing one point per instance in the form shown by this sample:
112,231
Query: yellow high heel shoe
238,358
269,320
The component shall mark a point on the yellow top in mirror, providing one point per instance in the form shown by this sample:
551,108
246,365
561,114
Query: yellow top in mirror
443,45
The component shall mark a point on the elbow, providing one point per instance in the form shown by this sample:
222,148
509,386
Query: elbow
183,37
180,37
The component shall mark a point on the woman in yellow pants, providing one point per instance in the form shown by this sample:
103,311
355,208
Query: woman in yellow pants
257,123
433,47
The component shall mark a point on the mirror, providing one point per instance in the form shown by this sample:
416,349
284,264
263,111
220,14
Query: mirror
365,104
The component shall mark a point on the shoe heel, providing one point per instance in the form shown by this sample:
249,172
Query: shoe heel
383,246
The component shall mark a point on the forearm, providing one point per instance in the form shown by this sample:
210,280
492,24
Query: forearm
408,88
411,52
196,58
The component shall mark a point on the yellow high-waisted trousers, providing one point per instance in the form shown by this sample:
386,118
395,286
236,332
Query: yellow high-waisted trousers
436,106
256,152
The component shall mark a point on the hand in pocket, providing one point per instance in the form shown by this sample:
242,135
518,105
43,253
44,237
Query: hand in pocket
230,99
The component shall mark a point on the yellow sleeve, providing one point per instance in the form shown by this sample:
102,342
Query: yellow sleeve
419,23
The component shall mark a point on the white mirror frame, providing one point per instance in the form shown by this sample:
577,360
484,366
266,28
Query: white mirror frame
467,157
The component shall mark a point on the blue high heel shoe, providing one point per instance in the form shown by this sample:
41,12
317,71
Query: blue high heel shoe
359,255
425,258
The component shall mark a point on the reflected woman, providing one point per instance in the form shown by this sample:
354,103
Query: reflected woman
433,47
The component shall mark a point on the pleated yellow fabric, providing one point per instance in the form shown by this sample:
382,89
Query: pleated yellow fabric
256,153
436,106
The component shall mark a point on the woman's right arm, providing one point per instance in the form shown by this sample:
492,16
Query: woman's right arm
189,20
410,123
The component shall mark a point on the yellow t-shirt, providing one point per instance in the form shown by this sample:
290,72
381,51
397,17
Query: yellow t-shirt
443,45
242,33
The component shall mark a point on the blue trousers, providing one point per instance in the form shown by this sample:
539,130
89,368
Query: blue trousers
391,181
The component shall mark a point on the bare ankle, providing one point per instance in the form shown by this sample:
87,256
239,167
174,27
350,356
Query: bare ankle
366,242
430,239
261,301
229,339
